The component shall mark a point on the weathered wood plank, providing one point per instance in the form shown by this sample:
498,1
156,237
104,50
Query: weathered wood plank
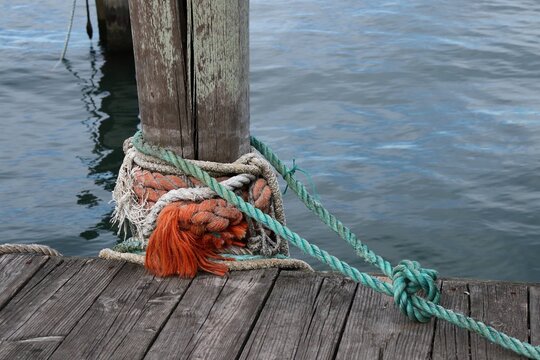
376,329
503,306
188,317
80,308
34,348
192,68
125,318
15,271
320,338
285,317
42,286
227,325
450,341
534,314
38,320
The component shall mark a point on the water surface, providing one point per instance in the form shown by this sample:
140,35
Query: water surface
418,120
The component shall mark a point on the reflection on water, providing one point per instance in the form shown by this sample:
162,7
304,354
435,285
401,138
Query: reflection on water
111,121
419,122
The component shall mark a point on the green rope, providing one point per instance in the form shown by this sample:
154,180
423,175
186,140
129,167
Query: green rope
408,278
291,173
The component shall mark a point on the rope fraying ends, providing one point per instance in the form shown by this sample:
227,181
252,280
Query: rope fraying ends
409,279
181,225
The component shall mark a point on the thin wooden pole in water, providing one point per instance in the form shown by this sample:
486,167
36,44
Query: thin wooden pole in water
192,66
114,26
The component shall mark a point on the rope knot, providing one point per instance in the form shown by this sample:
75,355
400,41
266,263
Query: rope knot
408,280
290,173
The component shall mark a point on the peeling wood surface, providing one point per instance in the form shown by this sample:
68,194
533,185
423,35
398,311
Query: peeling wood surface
192,67
73,308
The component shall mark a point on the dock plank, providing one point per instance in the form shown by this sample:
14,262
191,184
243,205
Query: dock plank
15,271
321,338
376,329
187,319
229,322
285,317
503,306
41,287
451,342
133,301
56,303
62,308
534,314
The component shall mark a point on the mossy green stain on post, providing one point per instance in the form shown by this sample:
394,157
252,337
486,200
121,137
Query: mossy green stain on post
192,66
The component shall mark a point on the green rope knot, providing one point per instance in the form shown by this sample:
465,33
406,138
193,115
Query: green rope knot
408,279
290,173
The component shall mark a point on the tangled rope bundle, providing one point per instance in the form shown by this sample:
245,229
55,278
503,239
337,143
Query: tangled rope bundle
181,225
413,288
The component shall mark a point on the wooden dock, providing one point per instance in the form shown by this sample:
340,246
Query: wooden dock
77,308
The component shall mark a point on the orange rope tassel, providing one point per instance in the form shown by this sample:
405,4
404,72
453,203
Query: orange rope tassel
189,236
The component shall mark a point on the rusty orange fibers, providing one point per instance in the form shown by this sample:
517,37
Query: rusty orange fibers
189,236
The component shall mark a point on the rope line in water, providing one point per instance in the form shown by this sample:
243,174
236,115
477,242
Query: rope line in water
408,278
68,35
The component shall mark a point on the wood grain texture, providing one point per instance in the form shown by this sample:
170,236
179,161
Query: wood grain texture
95,309
534,314
376,329
285,317
125,318
192,67
42,316
188,318
15,271
321,337
229,322
41,287
503,306
451,342
220,42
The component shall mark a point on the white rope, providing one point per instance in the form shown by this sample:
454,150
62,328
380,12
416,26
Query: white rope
286,264
190,194
28,249
141,218
68,35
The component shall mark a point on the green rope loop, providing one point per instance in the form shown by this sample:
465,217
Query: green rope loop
408,277
293,170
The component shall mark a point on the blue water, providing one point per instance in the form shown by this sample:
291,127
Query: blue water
418,120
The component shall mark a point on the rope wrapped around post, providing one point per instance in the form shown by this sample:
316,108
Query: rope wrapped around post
408,278
180,226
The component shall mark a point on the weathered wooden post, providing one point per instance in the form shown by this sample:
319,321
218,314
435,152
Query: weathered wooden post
114,26
192,66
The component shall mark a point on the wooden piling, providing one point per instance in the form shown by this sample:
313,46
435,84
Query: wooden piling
114,25
192,66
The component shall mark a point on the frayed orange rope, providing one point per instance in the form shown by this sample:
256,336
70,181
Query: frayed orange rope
189,237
